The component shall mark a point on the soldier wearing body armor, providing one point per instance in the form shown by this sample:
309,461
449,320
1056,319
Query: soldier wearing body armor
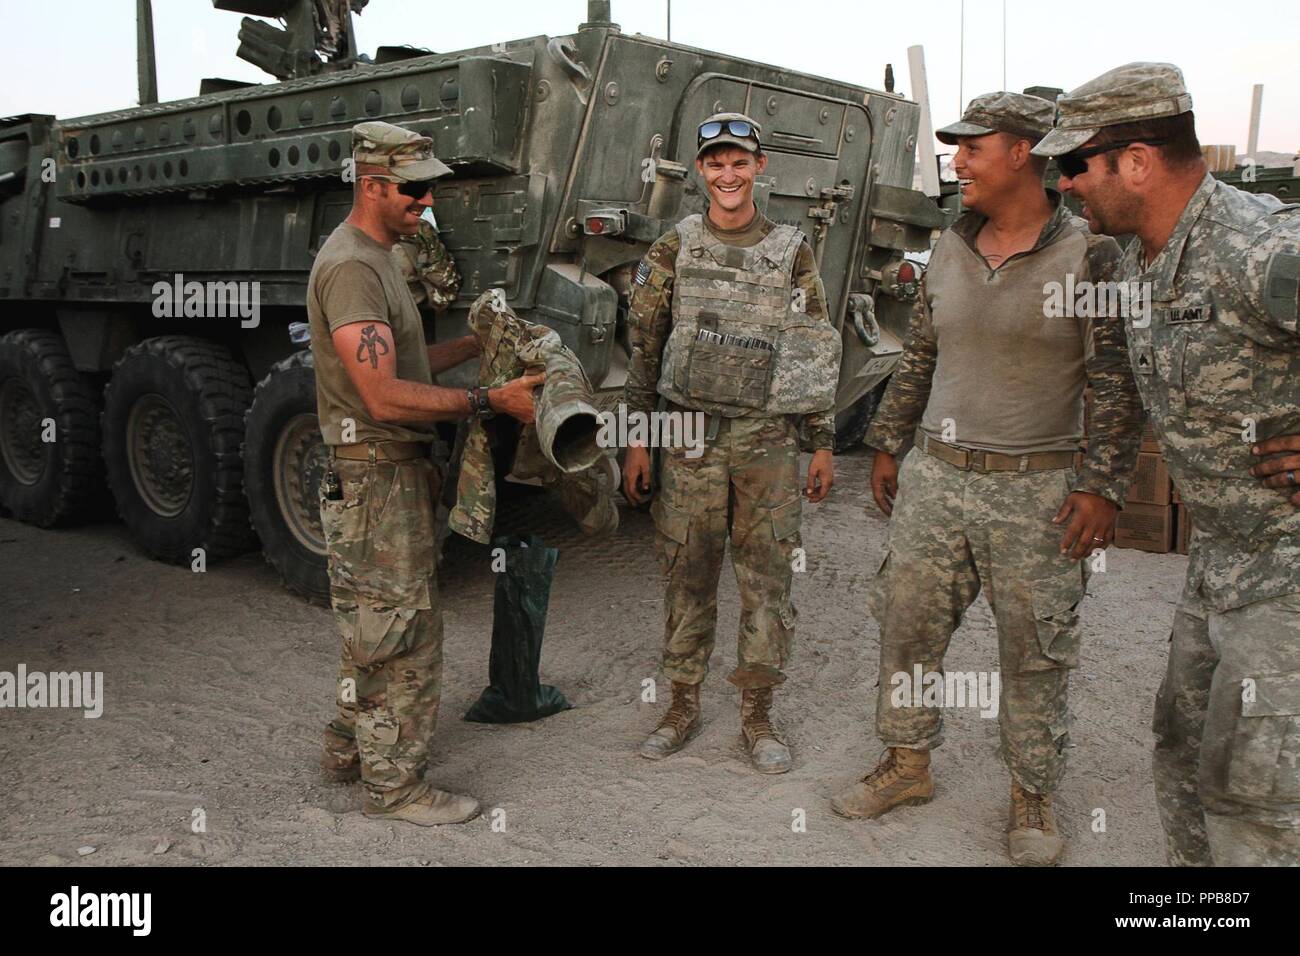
1216,355
729,322
377,403
993,495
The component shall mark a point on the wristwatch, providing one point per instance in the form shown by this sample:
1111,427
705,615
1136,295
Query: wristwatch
479,406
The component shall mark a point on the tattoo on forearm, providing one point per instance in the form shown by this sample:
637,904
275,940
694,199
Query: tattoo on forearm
372,346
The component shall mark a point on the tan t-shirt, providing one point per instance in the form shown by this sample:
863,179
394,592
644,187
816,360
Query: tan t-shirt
355,279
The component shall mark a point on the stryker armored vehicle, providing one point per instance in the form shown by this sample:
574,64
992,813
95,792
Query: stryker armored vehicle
570,154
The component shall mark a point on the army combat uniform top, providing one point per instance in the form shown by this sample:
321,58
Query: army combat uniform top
1219,369
990,387
1217,360
703,284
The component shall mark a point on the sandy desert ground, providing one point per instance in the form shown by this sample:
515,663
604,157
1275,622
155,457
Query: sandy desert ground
216,687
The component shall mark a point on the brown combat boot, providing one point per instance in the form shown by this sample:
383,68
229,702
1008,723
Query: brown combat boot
767,751
430,810
679,725
1032,838
901,779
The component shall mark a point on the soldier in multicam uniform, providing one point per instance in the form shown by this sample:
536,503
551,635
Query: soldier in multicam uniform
990,387
729,320
376,402
1217,360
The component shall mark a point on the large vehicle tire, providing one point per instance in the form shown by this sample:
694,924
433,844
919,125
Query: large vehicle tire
47,482
173,425
851,424
284,459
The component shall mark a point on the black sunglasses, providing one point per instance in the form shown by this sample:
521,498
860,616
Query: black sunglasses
412,190
1076,163
738,128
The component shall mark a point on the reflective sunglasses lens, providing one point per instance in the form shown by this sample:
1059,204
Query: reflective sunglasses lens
710,130
740,128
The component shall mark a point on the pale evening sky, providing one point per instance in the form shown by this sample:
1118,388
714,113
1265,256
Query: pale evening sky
75,57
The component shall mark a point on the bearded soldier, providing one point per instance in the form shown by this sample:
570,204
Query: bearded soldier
377,403
1216,356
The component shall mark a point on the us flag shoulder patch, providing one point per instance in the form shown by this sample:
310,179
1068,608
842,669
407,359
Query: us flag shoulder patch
642,273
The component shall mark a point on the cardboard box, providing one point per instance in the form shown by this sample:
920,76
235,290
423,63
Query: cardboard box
1146,528
1183,530
1150,485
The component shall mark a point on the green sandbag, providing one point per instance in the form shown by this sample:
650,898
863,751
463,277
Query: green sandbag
515,693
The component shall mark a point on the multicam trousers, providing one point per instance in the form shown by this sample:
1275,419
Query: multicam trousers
384,595
952,533
745,485
1227,725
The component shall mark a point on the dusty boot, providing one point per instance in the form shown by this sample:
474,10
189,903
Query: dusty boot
767,752
1032,838
680,724
339,761
433,809
901,779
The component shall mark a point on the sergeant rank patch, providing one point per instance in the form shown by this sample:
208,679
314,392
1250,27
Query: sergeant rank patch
642,273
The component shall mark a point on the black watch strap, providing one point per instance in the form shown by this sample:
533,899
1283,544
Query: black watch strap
478,402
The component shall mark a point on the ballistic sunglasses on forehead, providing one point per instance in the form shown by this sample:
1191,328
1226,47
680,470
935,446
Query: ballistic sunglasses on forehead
417,189
1076,163
741,129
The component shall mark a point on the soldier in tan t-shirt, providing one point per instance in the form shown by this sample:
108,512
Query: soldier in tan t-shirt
994,496
377,404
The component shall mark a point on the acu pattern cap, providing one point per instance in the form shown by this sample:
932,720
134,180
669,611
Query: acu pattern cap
725,138
404,153
1126,94
1016,113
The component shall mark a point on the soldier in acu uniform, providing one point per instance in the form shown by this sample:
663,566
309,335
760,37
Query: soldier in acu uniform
1217,359
729,320
990,388
376,403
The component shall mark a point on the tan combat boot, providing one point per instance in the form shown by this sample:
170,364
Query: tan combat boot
680,724
901,779
1032,838
430,810
767,751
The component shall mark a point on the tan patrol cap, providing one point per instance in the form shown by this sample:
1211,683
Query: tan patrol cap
1016,113
404,153
1126,94
726,137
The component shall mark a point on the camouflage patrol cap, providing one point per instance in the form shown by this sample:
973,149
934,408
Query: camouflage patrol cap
725,138
404,153
1126,94
1016,113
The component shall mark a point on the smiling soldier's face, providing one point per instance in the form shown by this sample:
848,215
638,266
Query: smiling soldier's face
728,173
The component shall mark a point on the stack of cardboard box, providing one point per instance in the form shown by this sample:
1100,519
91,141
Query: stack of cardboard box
1148,519
1153,518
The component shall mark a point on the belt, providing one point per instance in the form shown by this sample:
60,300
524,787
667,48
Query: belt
386,451
973,459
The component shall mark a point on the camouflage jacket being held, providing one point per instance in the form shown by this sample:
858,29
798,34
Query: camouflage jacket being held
584,485
1218,365
650,322
989,354
428,268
